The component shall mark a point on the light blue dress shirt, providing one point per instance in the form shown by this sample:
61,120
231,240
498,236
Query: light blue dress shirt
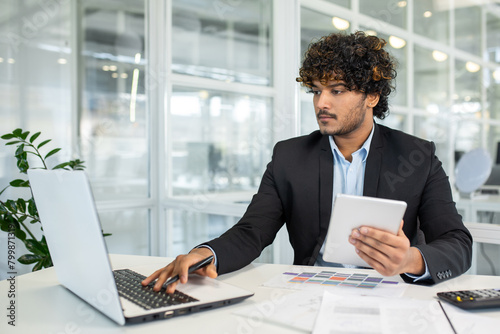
349,178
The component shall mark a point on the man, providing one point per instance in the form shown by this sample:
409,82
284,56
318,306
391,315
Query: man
350,78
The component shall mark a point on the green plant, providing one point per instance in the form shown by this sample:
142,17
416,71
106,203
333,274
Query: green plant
18,216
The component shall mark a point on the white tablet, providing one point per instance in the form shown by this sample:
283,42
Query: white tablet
350,212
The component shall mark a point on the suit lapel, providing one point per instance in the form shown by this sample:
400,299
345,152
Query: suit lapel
373,164
325,194
325,183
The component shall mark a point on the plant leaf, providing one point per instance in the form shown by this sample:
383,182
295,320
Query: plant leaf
35,247
60,166
21,205
4,225
47,263
29,258
24,135
22,164
14,142
19,183
54,151
11,205
32,207
20,234
20,150
8,136
34,137
38,266
17,132
43,143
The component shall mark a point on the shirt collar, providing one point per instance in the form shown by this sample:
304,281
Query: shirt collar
364,150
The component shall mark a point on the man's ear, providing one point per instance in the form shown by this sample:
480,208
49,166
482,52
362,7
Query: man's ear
372,100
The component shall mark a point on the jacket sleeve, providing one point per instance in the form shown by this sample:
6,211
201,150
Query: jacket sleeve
448,244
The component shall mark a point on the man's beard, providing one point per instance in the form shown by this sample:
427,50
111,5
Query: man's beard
353,121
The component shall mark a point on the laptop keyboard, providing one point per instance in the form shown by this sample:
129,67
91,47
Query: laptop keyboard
130,287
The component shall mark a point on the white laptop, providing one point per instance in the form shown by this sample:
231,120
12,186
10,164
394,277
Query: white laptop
74,236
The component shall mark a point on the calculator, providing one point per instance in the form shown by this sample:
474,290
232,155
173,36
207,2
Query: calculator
472,299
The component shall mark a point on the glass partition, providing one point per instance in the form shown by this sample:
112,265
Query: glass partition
468,29
431,80
394,121
308,121
314,25
35,77
343,3
467,96
492,37
113,127
223,41
129,230
432,19
492,83
191,228
219,141
493,140
392,12
435,128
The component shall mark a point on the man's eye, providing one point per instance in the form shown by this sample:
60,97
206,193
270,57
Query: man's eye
312,91
336,92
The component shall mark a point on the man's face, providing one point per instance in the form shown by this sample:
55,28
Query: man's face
340,111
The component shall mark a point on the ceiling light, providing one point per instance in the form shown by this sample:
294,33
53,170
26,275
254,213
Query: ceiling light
370,32
496,75
428,14
113,67
62,61
204,94
1,60
340,24
402,4
124,75
114,75
105,68
397,42
439,56
472,67
137,58
11,61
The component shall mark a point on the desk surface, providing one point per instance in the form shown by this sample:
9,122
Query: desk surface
44,306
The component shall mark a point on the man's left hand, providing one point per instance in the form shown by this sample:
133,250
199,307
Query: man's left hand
387,253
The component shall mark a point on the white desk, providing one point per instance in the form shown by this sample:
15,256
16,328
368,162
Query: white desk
44,306
472,206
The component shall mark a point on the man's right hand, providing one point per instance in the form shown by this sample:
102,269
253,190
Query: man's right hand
180,267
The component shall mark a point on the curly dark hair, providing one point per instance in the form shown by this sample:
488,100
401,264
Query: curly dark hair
357,59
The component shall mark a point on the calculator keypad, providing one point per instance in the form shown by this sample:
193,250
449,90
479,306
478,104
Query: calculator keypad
478,298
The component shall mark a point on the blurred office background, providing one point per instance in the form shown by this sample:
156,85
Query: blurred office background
175,105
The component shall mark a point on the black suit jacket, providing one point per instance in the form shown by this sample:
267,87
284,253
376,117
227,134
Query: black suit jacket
297,189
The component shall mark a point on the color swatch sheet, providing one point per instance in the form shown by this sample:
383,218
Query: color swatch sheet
356,282
334,278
